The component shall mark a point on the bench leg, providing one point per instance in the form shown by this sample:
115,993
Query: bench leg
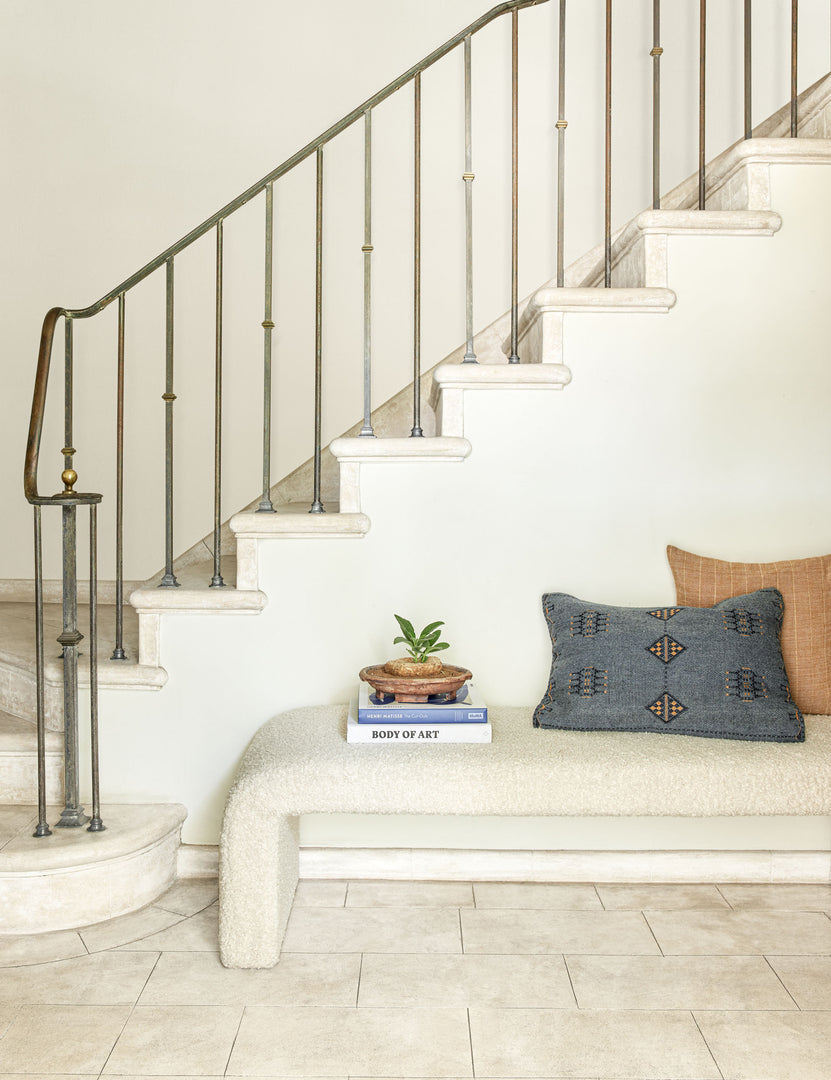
258,868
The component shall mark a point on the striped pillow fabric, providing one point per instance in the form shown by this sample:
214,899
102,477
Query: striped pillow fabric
805,585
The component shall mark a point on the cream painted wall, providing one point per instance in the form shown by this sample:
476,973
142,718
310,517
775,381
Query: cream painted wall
706,427
126,125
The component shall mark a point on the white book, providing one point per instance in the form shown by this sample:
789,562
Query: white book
421,734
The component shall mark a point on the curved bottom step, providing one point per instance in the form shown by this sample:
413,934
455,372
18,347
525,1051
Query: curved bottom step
74,878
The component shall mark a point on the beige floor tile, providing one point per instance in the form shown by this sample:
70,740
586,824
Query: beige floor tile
189,896
399,930
509,894
783,897
719,932
807,979
199,933
320,894
660,897
101,979
623,1045
127,928
42,1076
24,949
62,1039
676,982
7,1014
769,1045
434,894
498,981
515,931
186,1040
360,1042
299,979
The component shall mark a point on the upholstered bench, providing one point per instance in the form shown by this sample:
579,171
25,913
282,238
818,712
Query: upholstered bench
300,763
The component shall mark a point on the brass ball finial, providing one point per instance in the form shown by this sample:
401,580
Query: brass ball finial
68,476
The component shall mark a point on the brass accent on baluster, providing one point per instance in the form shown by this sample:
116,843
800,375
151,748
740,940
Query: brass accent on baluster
168,397
656,51
267,324
68,478
561,125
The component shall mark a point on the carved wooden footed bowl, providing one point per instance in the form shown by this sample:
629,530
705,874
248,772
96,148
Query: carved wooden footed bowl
416,688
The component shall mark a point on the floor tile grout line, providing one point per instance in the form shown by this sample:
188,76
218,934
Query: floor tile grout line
570,981
599,897
234,1040
470,1043
724,898
709,1051
652,932
360,974
147,980
461,933
779,977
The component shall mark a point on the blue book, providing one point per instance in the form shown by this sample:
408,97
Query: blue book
384,709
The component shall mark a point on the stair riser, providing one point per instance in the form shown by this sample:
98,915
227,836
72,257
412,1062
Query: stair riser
19,778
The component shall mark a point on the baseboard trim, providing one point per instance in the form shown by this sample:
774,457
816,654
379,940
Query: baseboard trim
631,866
432,864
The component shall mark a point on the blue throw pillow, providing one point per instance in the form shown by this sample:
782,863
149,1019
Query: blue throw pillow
716,672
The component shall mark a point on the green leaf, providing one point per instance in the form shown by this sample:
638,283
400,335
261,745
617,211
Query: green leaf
441,645
429,629
400,640
432,639
407,628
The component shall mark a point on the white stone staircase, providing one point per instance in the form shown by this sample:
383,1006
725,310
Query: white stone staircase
42,881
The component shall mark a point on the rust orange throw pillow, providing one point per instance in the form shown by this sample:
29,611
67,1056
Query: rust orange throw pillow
805,585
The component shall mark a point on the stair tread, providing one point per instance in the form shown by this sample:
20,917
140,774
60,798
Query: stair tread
130,828
17,633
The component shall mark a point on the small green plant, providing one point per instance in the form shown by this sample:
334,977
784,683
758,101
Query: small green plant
419,646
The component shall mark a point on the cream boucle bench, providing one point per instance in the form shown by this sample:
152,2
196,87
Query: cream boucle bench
300,763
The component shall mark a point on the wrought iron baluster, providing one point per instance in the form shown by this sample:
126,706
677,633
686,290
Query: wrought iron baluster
317,506
562,124
702,95
468,178
794,36
266,505
514,357
416,430
748,86
95,824
42,828
367,252
118,651
69,640
217,581
169,578
607,233
656,54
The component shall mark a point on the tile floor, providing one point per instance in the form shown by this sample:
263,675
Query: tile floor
445,979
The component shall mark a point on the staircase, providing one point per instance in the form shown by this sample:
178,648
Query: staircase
324,606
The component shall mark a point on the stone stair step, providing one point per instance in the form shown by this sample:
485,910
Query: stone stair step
18,761
75,878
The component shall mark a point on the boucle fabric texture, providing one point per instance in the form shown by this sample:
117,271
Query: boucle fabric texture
300,763
713,672
805,585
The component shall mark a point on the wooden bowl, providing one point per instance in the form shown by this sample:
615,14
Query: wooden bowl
416,688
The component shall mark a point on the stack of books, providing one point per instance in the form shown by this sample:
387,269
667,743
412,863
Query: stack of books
382,720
